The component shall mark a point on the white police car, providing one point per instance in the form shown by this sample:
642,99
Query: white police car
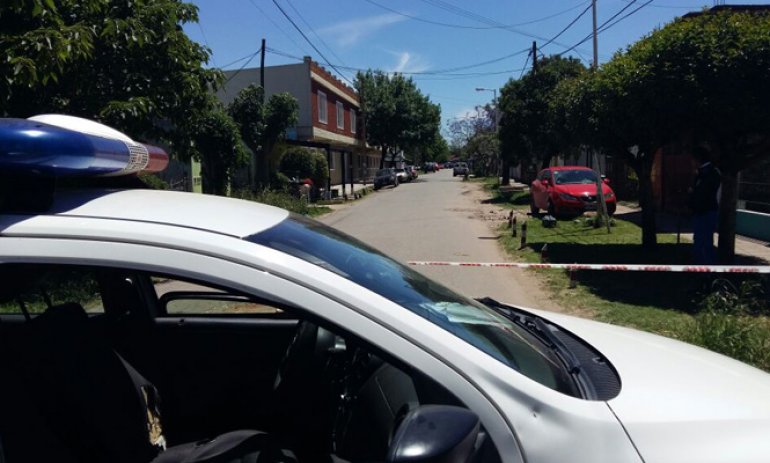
141,325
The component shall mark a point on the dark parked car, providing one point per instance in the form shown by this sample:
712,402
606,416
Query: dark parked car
460,168
385,177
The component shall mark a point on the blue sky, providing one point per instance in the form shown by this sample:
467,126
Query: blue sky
440,41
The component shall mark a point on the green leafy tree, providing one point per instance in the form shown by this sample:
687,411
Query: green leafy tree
126,63
708,75
262,126
218,146
530,131
396,114
701,80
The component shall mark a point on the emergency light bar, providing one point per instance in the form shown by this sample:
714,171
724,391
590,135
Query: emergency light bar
54,145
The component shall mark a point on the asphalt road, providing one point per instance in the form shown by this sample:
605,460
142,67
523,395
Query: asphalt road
438,217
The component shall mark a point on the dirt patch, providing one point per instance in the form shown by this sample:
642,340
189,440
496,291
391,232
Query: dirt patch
537,287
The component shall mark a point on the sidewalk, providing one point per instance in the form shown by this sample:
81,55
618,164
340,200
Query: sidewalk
670,223
340,193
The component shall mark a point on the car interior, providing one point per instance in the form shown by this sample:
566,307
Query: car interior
105,364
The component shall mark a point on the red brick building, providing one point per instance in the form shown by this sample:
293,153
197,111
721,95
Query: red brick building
329,115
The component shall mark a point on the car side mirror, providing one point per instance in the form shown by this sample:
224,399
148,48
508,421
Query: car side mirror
545,182
605,179
436,434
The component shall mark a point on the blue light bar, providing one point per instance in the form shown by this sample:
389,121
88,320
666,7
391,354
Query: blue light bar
29,147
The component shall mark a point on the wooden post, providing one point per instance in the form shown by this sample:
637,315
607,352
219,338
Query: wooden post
523,235
513,226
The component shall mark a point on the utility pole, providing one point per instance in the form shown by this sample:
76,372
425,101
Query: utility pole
534,57
596,43
262,70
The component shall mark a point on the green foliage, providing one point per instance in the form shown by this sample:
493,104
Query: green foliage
128,64
397,115
530,130
153,181
218,146
282,199
731,322
305,163
263,125
247,109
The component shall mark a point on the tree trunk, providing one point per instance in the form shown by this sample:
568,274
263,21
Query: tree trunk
506,172
728,204
646,200
382,158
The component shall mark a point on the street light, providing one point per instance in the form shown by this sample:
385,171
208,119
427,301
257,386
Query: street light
494,101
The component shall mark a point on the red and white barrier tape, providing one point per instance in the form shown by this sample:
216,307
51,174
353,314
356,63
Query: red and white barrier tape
608,267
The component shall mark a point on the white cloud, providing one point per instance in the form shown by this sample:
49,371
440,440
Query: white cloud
408,62
350,32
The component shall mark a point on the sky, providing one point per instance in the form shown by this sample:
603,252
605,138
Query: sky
450,48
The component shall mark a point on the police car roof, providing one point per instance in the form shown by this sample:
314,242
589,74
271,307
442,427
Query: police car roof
217,214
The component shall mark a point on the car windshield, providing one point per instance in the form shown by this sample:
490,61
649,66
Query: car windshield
567,177
467,319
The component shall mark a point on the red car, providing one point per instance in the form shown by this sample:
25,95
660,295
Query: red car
569,190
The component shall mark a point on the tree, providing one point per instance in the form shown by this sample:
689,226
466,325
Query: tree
396,114
710,74
483,149
263,125
700,79
304,163
128,64
218,146
529,130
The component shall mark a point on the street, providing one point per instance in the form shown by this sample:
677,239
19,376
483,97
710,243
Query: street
438,217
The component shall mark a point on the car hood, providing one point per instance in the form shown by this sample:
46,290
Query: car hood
679,402
581,189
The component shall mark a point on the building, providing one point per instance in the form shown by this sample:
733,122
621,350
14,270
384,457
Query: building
329,116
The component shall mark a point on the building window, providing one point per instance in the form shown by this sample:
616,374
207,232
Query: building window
322,111
353,120
340,115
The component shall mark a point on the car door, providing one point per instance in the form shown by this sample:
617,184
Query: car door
199,344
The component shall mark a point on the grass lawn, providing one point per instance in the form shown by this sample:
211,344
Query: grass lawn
670,304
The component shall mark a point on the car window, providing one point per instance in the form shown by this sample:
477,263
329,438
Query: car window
34,288
570,177
180,297
467,319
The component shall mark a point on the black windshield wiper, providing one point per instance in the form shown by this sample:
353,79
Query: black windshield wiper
538,327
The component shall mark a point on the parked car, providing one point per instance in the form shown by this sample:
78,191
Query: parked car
460,168
403,175
412,171
385,177
245,318
429,167
569,190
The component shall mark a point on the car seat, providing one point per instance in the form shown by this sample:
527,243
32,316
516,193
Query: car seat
103,409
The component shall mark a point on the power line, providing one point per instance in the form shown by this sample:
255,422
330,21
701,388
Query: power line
236,61
275,2
416,73
291,5
463,26
242,67
483,19
605,25
279,28
525,65
572,23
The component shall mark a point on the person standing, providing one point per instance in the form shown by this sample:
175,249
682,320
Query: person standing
704,202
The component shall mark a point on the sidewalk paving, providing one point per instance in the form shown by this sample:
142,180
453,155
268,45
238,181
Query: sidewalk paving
671,223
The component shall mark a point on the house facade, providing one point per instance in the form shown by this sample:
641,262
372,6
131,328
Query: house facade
329,116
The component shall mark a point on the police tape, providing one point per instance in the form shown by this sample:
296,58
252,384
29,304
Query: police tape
606,267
